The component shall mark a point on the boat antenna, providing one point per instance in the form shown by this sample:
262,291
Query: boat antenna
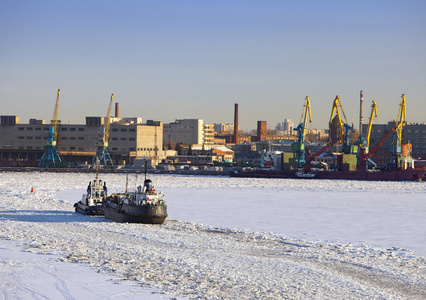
136,182
97,169
145,168
127,182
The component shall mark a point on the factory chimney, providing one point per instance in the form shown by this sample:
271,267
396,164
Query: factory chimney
361,100
117,115
236,124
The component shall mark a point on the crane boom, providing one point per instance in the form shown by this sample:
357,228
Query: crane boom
306,111
102,156
302,125
401,120
370,124
299,146
335,109
108,120
379,143
310,157
55,122
51,156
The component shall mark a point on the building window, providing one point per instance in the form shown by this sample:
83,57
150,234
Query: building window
72,138
132,149
123,130
72,148
81,138
38,128
29,147
64,129
20,128
29,128
115,139
38,137
64,138
81,129
131,139
20,137
29,137
114,149
123,139
132,130
80,149
114,129
72,129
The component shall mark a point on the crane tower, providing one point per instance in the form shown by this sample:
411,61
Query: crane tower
51,157
102,156
299,146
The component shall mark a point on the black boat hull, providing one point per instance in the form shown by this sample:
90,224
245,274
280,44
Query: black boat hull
131,213
92,210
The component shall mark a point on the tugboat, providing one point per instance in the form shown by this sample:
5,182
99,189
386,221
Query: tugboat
91,202
146,205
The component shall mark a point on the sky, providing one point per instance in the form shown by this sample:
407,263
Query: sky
167,60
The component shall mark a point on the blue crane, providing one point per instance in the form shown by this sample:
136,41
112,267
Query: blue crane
299,146
51,157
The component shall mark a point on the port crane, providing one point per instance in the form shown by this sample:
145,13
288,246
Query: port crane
343,127
370,123
299,146
102,156
364,139
51,157
397,142
396,145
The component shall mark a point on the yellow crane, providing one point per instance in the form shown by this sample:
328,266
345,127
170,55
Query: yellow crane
51,157
102,156
370,124
335,109
401,122
343,127
364,139
305,113
299,146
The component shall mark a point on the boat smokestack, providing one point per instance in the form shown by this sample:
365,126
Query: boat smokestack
117,112
361,100
236,124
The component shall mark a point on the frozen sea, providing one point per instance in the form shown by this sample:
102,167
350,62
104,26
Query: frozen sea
225,238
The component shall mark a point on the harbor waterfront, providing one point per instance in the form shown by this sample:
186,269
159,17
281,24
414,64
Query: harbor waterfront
331,238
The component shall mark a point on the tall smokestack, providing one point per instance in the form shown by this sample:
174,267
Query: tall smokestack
361,100
117,113
236,124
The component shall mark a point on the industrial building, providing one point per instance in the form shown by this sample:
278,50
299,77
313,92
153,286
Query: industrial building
129,139
204,155
188,132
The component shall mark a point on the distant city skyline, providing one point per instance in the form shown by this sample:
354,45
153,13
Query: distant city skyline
168,60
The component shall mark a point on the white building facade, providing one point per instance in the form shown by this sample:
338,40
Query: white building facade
188,132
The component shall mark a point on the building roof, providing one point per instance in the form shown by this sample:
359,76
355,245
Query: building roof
215,147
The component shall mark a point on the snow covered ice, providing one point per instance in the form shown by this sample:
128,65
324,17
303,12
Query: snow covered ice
225,238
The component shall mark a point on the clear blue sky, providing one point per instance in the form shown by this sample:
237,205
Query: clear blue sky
174,59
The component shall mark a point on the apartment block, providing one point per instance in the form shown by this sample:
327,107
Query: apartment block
188,132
